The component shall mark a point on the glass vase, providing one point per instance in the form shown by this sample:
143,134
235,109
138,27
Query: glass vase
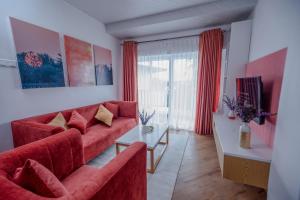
231,114
147,129
245,136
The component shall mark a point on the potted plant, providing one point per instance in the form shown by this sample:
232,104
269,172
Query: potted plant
230,103
145,117
246,112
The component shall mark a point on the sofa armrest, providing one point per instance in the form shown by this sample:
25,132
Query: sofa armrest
28,131
127,109
125,177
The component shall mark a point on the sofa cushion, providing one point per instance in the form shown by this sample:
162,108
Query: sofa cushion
104,115
120,126
84,182
78,121
128,109
99,137
113,108
59,121
94,142
35,177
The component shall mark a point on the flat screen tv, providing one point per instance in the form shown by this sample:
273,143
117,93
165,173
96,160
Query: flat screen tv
252,89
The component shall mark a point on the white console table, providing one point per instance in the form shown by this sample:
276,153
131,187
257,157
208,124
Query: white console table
248,166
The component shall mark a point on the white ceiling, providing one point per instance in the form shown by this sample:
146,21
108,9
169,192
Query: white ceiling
134,18
108,11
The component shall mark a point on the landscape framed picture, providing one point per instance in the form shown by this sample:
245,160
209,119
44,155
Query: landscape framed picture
81,71
38,55
103,66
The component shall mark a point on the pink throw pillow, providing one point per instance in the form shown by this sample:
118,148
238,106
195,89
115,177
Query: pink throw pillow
38,179
78,121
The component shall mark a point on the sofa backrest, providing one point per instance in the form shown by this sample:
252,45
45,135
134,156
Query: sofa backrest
61,153
126,109
88,112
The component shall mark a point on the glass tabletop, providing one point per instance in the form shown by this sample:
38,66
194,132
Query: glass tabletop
151,139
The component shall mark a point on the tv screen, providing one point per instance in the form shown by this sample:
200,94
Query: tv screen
251,88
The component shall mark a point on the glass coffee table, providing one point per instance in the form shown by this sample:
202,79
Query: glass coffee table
158,136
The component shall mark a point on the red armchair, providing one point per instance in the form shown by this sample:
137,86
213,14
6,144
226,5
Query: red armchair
124,178
97,138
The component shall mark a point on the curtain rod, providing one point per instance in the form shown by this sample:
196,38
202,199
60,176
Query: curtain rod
171,38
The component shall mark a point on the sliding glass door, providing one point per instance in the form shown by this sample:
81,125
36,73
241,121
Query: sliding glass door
167,79
153,90
183,83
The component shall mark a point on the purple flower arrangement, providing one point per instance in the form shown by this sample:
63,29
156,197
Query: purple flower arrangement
243,109
145,117
230,103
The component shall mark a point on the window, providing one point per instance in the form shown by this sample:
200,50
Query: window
167,84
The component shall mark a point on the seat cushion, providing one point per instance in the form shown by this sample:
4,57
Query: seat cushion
83,183
122,125
35,177
99,137
119,126
94,142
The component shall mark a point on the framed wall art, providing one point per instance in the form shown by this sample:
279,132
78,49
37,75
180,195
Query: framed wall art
103,66
38,55
81,71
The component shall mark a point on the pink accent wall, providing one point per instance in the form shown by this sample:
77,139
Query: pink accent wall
271,69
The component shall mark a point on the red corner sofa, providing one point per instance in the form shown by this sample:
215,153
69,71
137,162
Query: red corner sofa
123,178
98,136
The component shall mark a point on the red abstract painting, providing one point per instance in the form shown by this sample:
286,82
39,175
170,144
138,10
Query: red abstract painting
81,71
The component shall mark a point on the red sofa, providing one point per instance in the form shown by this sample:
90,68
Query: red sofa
123,178
98,136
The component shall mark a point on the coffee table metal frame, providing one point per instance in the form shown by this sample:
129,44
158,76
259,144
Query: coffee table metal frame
153,162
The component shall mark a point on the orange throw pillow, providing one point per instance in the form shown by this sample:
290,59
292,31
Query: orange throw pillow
104,115
38,179
113,108
59,120
78,121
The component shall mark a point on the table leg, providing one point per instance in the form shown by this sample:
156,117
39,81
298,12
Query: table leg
167,136
152,165
153,162
117,148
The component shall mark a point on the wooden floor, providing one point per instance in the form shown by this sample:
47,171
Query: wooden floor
200,178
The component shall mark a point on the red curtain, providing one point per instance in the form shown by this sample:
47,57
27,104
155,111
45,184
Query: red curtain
130,71
209,74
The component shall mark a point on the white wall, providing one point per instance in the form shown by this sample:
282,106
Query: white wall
238,53
276,25
59,16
